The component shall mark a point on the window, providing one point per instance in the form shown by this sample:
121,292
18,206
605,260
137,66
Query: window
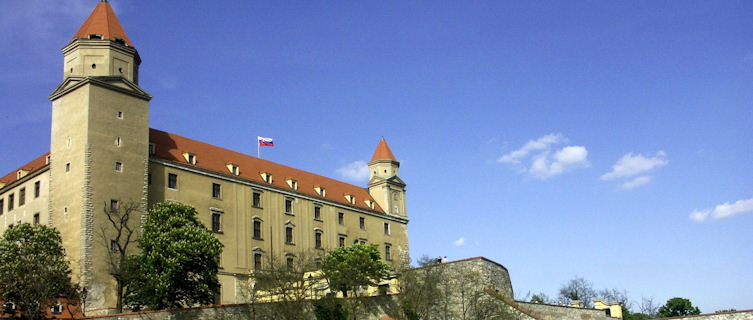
2,207
117,141
216,190
57,308
10,201
216,227
386,228
151,148
234,169
387,255
191,158
257,261
362,223
21,197
340,218
113,246
318,239
113,205
289,235
288,206
172,181
293,184
289,261
266,176
341,241
68,167
36,189
118,166
257,229
149,178
36,218
120,114
317,213
257,200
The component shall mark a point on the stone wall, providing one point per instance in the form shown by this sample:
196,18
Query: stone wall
734,315
552,312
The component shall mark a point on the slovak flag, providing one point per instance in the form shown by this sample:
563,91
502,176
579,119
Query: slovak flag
266,142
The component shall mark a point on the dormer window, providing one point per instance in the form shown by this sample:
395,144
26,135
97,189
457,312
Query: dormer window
266,176
95,37
119,40
21,173
369,203
190,157
351,198
320,191
293,184
234,169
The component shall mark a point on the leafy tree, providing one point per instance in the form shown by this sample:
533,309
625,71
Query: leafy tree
117,236
34,271
678,307
348,269
330,308
541,298
178,263
290,284
578,289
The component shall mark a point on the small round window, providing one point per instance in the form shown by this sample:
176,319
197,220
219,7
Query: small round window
94,66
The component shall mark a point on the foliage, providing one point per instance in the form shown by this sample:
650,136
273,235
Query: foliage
541,298
349,268
117,236
178,263
289,285
678,307
34,271
420,291
578,289
330,308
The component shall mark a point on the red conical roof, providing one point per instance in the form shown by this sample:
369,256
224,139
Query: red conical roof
102,21
383,152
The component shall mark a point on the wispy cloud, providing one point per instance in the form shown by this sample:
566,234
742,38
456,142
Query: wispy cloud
459,242
637,182
724,210
356,171
546,161
630,165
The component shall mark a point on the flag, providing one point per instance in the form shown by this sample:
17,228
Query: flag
266,142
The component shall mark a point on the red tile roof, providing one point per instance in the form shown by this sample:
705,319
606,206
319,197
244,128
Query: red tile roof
102,21
32,166
170,147
383,152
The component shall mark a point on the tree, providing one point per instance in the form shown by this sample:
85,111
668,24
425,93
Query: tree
649,307
177,266
117,237
34,271
677,307
541,298
348,269
289,284
578,289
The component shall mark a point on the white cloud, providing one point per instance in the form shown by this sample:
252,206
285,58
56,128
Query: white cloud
546,162
542,143
637,182
724,210
355,171
630,165
459,242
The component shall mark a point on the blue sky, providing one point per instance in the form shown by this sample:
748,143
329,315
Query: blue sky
601,139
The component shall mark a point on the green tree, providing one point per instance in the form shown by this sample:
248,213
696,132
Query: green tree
348,269
677,307
34,271
177,266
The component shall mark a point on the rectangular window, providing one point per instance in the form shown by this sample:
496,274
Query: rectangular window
288,206
386,228
317,240
2,206
362,223
257,200
113,246
257,261
11,199
341,241
387,255
36,218
120,114
257,229
172,181
151,148
149,178
317,213
36,189
216,226
289,235
68,167
113,205
340,218
118,166
21,197
216,190
289,262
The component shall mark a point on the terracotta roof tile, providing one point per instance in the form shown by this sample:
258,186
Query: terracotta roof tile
170,147
102,21
383,152
32,166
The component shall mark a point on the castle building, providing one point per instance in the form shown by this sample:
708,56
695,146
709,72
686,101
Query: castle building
104,155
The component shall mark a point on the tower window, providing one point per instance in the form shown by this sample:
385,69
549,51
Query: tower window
118,166
120,114
119,40
151,148
113,205
120,70
94,66
95,37
68,167
117,141
113,246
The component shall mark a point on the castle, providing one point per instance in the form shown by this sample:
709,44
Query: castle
104,155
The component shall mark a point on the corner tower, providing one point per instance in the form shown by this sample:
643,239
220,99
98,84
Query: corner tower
98,147
384,184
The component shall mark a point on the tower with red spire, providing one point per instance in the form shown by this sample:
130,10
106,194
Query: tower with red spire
385,186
